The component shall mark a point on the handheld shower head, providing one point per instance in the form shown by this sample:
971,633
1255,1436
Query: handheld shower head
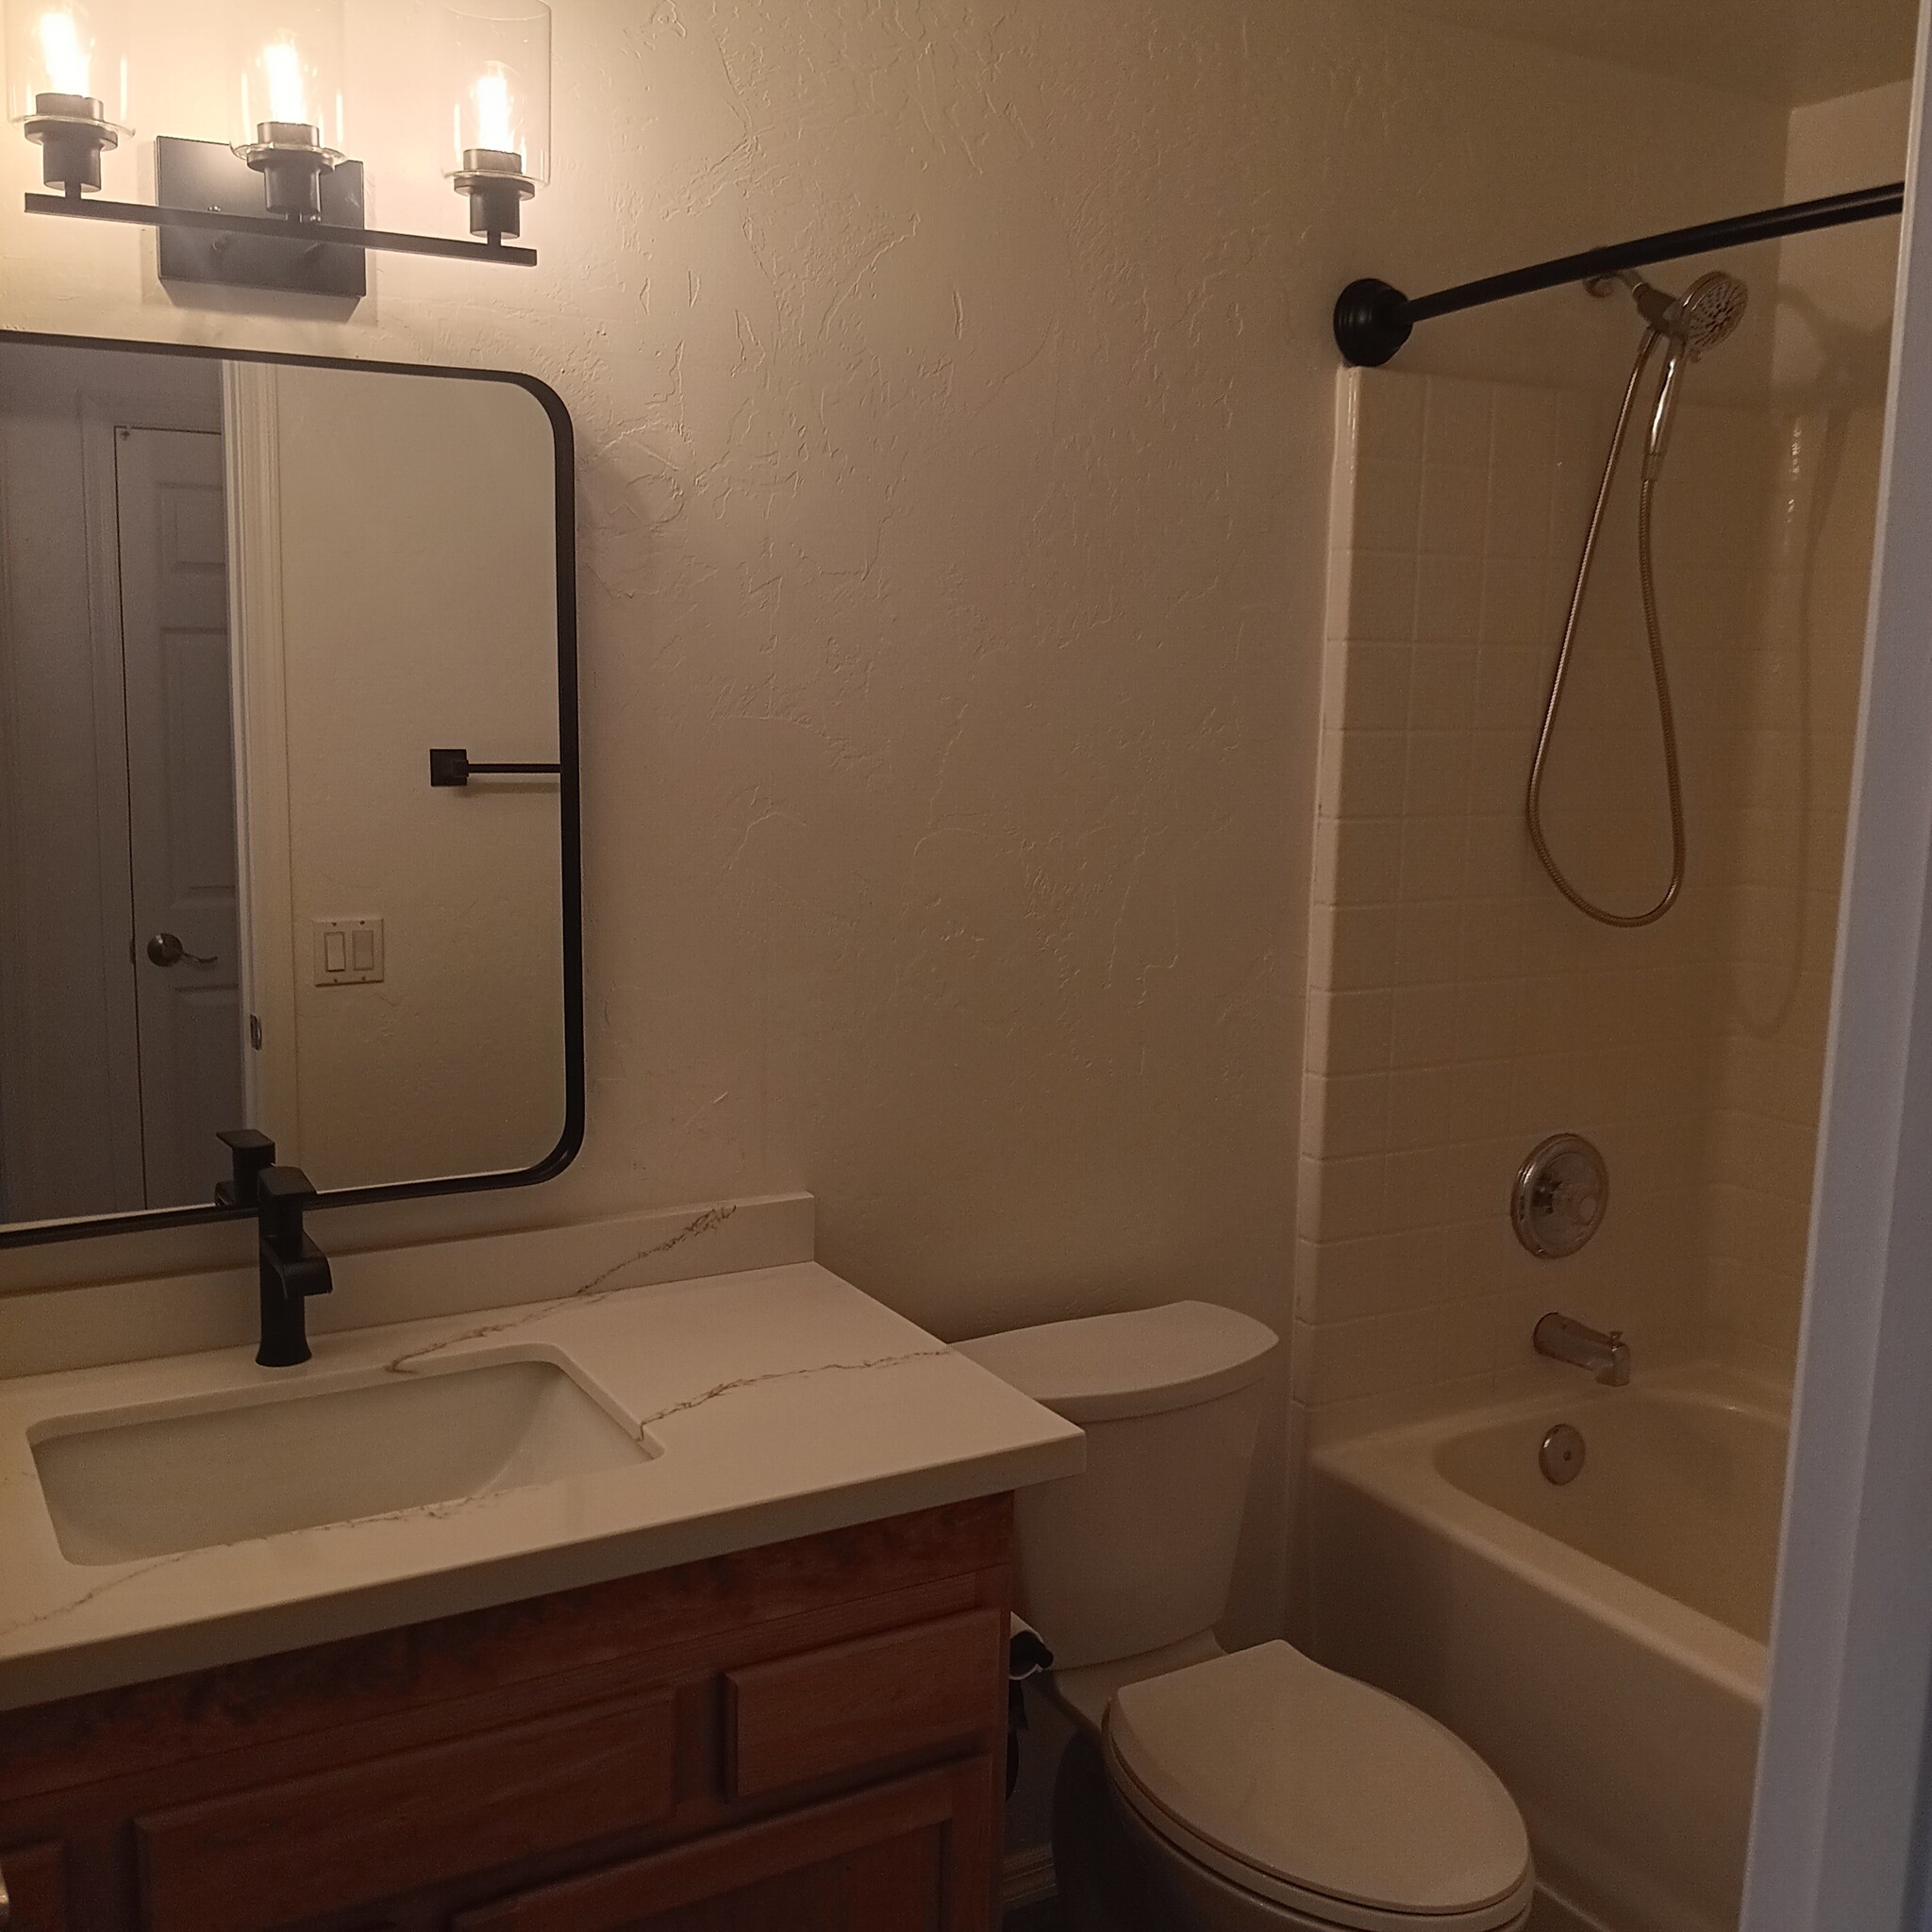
1707,313
1703,316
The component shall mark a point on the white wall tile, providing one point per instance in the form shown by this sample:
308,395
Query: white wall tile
1466,1010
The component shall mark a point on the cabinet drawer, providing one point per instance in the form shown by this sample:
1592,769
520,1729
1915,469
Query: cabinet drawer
317,1845
856,1704
912,1856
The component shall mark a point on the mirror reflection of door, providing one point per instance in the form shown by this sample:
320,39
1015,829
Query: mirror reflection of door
241,603
181,804
116,786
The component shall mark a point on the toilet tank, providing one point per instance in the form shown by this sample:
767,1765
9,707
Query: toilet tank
1138,1551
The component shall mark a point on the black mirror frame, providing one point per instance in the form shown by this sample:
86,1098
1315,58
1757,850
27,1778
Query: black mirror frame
570,808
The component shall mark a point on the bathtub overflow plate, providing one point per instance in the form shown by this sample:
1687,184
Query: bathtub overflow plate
1560,1197
1561,1455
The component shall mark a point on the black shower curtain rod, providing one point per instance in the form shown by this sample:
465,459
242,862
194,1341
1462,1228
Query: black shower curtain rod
1372,320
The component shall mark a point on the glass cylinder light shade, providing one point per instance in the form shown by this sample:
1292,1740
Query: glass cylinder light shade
66,72
496,77
67,84
287,57
64,51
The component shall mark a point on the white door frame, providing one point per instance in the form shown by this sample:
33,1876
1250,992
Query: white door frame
1840,1832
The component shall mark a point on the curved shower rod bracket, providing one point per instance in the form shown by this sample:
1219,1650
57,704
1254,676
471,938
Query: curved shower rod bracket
1372,320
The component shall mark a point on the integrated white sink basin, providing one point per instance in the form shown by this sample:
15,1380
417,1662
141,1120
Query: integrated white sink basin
156,1481
614,1430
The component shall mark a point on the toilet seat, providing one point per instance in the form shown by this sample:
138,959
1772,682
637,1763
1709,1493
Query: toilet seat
1322,1794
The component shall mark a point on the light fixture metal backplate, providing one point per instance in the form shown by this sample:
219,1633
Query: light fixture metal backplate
1560,1197
212,175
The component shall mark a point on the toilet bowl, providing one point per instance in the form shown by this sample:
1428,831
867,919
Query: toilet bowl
1249,1792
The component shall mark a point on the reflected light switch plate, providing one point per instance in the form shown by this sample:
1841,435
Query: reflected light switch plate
348,951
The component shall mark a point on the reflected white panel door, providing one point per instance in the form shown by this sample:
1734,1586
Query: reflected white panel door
181,804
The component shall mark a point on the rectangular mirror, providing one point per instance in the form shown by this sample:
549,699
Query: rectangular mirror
242,601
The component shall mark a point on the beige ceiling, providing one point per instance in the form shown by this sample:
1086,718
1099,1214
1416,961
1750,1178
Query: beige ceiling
1788,51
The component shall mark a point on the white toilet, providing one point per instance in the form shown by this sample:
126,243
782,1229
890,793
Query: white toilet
1213,1791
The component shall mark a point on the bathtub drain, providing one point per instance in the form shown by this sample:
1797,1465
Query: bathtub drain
1562,1454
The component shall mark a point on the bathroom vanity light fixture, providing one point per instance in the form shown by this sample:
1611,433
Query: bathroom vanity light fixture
280,204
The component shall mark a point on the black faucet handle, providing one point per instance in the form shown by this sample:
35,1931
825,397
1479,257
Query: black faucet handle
283,1195
285,1184
251,1151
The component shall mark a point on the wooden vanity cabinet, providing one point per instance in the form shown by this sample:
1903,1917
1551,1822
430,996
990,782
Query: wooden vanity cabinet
808,1736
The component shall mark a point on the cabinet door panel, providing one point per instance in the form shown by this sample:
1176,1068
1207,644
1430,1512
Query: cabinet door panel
914,1855
291,1852
36,1879
851,1705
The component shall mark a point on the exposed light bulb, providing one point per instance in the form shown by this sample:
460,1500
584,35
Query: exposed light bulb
288,94
495,126
63,55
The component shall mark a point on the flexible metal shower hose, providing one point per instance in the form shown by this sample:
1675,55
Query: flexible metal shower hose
1653,626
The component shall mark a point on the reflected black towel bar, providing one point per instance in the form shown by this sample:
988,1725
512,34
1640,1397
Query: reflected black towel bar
453,768
1372,320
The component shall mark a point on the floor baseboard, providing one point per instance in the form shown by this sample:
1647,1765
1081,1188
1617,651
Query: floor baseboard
1043,1917
1027,1878
1029,1902
1551,1912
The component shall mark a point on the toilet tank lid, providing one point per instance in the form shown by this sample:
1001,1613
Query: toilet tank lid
1101,1368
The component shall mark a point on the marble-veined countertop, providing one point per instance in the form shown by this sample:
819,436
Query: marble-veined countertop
783,1402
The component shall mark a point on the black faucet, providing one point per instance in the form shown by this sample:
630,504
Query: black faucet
293,1267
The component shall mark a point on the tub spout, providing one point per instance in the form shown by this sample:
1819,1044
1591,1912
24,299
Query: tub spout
1565,1340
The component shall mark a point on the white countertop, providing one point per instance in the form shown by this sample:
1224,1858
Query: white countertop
784,1401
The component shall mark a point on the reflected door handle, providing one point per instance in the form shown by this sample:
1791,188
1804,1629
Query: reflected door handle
164,949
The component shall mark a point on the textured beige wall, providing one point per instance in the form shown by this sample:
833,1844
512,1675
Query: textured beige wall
956,406
955,396
951,505
956,400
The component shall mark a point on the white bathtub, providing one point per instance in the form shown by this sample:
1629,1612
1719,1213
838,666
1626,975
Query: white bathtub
1602,1644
